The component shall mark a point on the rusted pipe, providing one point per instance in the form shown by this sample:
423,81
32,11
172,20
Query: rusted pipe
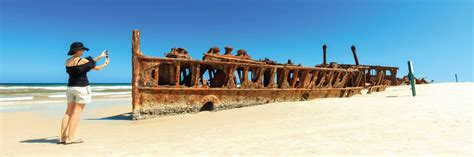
324,54
353,48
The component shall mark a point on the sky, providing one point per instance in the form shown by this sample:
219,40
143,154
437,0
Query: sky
435,35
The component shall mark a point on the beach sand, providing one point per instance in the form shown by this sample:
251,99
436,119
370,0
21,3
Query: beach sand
436,122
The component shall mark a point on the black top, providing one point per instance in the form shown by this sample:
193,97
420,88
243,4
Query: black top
78,73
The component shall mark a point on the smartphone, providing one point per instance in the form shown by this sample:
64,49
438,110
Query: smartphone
106,53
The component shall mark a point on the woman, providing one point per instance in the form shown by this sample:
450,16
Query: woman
78,91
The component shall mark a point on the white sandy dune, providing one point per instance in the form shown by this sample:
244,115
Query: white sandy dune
438,122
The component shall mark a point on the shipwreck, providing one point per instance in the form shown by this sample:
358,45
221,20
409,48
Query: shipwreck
178,84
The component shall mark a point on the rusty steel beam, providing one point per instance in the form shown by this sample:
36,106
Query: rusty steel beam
135,68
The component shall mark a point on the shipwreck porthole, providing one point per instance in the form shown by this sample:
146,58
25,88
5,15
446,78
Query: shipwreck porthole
209,106
305,97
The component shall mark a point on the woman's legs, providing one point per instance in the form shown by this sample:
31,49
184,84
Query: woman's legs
74,119
65,121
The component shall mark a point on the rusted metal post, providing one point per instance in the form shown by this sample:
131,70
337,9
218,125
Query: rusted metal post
245,82
177,75
324,54
303,79
393,77
196,75
271,84
156,81
353,48
294,79
136,68
285,83
411,76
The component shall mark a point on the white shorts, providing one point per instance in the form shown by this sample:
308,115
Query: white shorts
80,95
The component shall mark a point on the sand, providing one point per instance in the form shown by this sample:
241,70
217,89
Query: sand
438,122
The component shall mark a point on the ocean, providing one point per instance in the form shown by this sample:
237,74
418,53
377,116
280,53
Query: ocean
12,93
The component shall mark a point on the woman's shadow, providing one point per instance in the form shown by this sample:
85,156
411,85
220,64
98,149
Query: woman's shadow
124,116
51,140
55,139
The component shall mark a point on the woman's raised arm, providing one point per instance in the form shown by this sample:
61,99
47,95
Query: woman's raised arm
100,67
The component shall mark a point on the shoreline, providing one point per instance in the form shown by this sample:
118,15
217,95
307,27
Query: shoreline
17,93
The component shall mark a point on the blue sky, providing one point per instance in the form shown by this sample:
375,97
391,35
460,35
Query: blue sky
435,35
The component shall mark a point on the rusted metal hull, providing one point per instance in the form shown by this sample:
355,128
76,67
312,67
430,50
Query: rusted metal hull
162,90
178,84
170,101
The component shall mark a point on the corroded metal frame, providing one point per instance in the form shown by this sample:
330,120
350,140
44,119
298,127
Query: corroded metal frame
178,84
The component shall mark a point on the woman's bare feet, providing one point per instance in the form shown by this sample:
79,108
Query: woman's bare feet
62,140
73,141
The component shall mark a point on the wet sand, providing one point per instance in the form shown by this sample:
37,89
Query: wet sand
438,122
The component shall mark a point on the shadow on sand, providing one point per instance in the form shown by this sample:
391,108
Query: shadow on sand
51,140
123,116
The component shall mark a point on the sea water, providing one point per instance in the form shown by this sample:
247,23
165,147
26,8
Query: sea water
14,93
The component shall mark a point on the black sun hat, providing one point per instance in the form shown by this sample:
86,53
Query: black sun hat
76,46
